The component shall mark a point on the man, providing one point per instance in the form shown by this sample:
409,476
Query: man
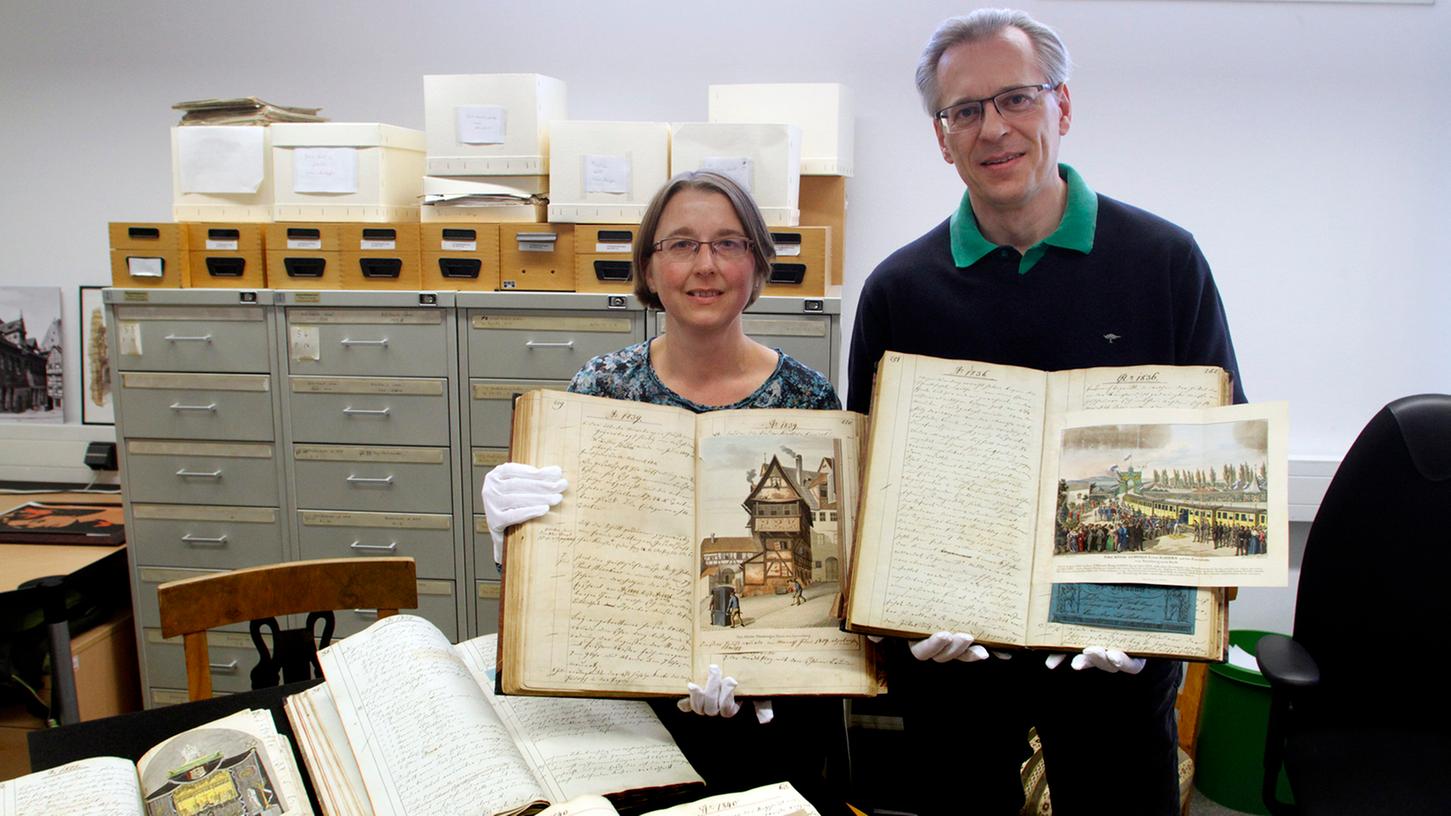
1033,269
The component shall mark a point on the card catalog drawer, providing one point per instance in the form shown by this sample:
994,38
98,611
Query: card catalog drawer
491,408
805,337
304,270
460,256
545,344
376,342
369,410
184,338
197,406
148,255
536,257
435,603
487,614
483,544
238,473
803,258
426,538
391,480
231,656
216,537
483,460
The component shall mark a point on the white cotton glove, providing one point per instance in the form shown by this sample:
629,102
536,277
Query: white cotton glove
514,493
1099,657
716,699
944,646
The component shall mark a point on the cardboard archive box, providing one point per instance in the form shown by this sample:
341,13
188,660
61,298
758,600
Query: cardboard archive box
484,199
823,204
490,124
379,256
765,159
221,173
148,255
803,255
823,111
304,256
602,257
460,256
536,257
606,172
226,256
346,171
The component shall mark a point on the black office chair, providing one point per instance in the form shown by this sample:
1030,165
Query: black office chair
1360,713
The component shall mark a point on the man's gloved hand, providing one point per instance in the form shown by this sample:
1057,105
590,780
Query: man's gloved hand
1099,657
514,493
944,646
718,698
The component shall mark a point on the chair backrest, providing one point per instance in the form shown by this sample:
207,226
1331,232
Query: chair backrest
1372,598
192,606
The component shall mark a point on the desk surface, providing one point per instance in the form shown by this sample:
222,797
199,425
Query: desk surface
23,562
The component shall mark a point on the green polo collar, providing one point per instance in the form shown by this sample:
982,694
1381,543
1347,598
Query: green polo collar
1074,232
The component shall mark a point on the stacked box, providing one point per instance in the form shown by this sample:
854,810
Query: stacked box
803,254
822,110
536,257
765,159
226,256
221,174
303,256
823,204
490,124
602,257
499,189
346,171
149,255
460,256
606,172
379,256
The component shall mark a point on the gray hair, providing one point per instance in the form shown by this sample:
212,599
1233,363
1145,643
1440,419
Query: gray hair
1052,54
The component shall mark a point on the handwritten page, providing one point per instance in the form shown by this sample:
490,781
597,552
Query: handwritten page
324,745
779,799
582,806
235,737
606,589
947,538
101,786
578,746
414,716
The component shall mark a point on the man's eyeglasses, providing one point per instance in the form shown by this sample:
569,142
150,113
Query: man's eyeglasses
684,249
1012,103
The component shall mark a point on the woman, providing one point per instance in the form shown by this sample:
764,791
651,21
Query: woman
702,256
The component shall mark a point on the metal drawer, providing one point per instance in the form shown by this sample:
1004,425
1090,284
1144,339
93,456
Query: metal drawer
364,342
197,406
426,538
369,410
491,408
148,611
200,536
232,656
237,473
483,460
191,338
390,480
483,545
435,602
545,344
486,616
805,337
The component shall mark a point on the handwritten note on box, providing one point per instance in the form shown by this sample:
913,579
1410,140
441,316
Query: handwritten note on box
481,124
324,170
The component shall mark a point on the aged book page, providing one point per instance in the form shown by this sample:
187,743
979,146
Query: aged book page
769,800
324,745
197,767
103,786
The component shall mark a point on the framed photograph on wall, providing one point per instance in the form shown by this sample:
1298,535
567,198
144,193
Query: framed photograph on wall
32,381
97,407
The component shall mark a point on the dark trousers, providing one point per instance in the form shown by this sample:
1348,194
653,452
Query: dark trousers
1109,740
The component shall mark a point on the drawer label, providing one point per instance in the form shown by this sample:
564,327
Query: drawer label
201,382
176,512
503,391
199,314
396,521
556,323
128,337
488,590
234,451
426,587
366,317
304,343
352,453
489,458
367,385
783,328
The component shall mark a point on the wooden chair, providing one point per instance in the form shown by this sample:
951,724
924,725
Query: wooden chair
192,606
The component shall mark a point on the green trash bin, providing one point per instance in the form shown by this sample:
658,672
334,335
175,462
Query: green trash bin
1229,761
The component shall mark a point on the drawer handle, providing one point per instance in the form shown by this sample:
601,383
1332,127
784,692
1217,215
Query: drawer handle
348,341
188,338
366,613
191,539
196,474
534,344
351,411
224,667
211,407
389,547
386,481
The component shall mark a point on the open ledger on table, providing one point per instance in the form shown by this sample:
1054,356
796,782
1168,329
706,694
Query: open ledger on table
684,540
1035,509
408,725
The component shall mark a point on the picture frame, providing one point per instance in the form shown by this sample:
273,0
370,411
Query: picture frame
32,342
98,405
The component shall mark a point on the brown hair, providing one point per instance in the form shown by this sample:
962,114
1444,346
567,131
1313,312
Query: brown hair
763,250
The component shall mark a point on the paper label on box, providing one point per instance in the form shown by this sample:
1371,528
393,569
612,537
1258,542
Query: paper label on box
304,243
788,250
324,170
735,168
459,246
371,243
220,159
607,174
226,246
128,337
603,248
144,267
305,343
481,124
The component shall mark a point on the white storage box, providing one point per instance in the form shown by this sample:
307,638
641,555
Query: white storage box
484,200
221,173
606,172
823,111
346,171
490,124
765,159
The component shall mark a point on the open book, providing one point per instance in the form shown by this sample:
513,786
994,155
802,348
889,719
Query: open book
684,540
1020,505
408,724
238,764
769,800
